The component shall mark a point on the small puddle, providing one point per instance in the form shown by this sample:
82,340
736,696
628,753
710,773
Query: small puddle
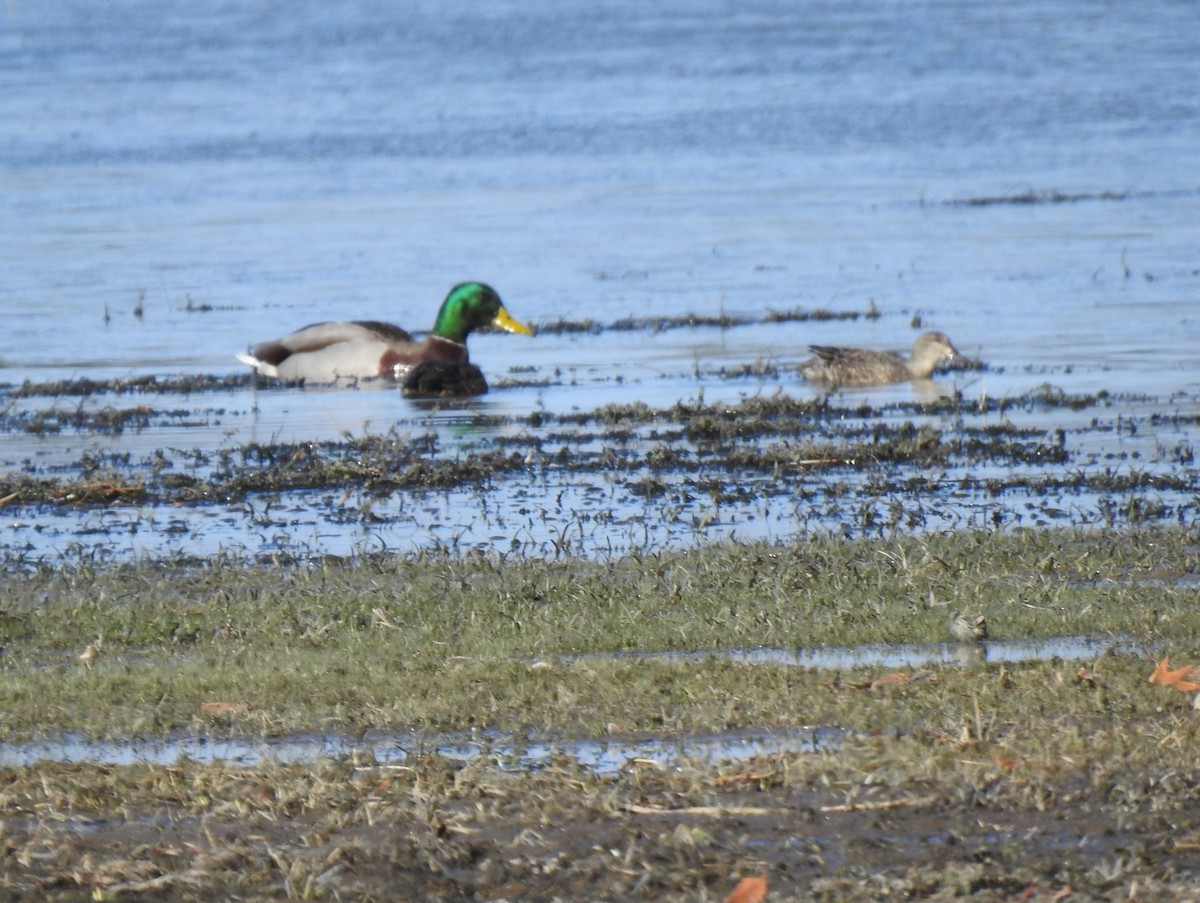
603,756
890,655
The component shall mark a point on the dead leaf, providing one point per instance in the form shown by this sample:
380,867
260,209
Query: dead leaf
1006,678
91,652
896,677
1086,676
1061,894
749,890
1165,677
224,708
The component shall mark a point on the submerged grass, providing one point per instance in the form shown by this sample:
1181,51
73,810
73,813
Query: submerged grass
749,446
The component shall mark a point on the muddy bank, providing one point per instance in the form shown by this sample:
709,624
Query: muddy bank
934,817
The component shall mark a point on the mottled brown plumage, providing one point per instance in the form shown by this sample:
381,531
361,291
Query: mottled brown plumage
864,367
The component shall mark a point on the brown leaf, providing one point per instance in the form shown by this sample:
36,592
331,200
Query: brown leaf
749,890
896,677
1008,763
224,708
1165,677
1006,678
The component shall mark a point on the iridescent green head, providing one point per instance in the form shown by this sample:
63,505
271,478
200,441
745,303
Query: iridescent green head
469,306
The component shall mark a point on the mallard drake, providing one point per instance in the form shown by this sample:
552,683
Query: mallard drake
864,367
365,349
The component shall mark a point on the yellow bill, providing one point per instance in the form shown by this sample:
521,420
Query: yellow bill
504,320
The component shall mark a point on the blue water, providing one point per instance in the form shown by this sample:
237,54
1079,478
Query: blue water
181,181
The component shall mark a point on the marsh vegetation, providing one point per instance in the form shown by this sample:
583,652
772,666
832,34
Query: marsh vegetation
952,780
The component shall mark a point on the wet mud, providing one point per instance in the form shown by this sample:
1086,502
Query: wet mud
987,827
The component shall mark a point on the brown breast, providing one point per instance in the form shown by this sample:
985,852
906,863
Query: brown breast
433,348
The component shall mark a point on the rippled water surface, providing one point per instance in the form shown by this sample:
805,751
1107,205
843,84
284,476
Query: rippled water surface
183,181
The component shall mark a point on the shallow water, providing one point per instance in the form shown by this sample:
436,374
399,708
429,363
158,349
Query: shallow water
911,655
183,182
1124,462
604,756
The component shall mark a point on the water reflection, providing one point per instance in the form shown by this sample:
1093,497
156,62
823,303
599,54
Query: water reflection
888,655
604,756
1067,649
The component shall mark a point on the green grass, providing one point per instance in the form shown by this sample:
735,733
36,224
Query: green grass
449,643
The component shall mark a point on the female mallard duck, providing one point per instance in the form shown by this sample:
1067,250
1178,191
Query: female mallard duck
864,367
327,352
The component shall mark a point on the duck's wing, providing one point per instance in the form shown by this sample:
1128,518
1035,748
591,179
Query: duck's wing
387,331
318,336
830,353
853,366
